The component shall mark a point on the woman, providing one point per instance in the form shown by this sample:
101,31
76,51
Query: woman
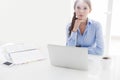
84,32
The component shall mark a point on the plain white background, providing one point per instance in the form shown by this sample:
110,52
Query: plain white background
34,21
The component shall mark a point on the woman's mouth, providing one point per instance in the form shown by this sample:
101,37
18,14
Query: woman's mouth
81,15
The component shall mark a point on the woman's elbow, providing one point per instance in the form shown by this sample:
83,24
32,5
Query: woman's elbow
100,52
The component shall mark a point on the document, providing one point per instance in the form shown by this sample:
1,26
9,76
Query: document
20,53
2,57
26,56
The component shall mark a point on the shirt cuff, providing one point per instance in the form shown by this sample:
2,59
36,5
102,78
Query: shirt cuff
73,34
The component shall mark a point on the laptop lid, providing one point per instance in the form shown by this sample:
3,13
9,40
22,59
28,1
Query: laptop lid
70,57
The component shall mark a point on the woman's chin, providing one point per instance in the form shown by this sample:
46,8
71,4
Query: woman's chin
80,19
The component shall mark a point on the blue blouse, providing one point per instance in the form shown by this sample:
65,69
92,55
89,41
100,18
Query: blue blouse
92,38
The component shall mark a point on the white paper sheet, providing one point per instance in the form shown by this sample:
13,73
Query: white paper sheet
2,57
26,56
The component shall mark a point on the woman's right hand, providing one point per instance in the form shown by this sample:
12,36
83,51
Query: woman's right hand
77,24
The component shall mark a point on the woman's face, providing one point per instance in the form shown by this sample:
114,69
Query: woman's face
82,10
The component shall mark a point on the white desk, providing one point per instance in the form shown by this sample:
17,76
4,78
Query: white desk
43,70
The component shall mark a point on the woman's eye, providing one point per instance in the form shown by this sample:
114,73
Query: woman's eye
85,8
78,7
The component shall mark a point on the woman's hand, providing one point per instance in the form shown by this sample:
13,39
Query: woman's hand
77,24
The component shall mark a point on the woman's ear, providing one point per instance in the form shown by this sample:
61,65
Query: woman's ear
75,15
90,10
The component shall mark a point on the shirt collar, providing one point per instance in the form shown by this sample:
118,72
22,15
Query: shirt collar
89,21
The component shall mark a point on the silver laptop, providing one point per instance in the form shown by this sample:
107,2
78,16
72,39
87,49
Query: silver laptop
68,57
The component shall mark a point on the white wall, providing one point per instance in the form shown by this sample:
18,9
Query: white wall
34,21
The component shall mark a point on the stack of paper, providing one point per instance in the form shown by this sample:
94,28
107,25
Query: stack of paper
2,57
21,53
26,56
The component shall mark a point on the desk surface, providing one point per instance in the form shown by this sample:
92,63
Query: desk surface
43,70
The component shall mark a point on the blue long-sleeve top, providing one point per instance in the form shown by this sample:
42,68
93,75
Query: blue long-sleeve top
92,38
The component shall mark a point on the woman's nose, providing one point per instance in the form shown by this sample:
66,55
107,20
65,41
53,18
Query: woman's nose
81,10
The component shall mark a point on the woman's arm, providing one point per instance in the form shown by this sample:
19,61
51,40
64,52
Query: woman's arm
72,38
99,48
